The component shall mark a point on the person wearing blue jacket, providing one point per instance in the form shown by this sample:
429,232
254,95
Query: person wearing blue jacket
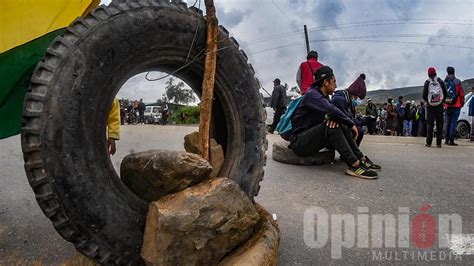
318,123
347,100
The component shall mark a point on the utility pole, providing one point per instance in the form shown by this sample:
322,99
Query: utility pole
306,39
208,80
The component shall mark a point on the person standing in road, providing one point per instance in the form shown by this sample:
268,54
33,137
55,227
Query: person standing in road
422,111
141,111
305,74
453,104
113,127
392,118
434,93
471,113
278,103
371,112
400,115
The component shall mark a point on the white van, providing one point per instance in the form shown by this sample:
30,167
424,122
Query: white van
464,121
152,114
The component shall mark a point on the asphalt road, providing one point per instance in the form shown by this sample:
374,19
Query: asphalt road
412,176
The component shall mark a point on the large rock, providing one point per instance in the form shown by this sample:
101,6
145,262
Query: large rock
198,225
262,248
155,173
281,153
216,154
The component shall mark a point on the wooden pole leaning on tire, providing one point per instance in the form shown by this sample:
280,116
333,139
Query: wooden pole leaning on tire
209,78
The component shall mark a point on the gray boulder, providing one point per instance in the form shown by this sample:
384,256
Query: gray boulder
155,173
216,153
198,225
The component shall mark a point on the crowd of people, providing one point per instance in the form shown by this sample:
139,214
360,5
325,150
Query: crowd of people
134,112
320,121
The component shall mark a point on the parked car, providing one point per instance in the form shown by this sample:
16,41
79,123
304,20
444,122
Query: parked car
152,114
269,111
464,121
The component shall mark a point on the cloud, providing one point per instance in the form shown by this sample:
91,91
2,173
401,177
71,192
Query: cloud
403,8
326,12
260,27
232,17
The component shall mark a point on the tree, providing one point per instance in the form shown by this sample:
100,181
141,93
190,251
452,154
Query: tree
177,93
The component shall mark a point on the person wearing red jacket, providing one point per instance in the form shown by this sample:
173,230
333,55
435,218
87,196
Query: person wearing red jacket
453,104
305,74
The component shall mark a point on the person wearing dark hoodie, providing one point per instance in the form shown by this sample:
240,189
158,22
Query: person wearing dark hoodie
347,100
434,94
305,74
453,104
318,123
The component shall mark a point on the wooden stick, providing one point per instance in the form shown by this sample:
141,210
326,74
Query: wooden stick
209,79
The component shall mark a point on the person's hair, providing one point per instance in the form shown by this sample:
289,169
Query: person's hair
450,70
277,81
400,97
389,100
312,54
362,76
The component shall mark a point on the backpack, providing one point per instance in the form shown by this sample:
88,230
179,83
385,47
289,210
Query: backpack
435,93
451,89
284,127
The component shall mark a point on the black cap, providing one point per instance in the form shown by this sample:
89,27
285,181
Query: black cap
312,54
323,72
277,80
362,76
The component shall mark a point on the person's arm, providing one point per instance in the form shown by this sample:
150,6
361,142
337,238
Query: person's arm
298,77
113,126
425,91
321,104
340,103
460,93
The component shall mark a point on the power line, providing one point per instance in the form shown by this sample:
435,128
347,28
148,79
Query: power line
366,24
361,39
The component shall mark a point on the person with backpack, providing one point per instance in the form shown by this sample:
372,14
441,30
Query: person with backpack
400,116
317,123
453,104
305,74
278,103
434,93
347,100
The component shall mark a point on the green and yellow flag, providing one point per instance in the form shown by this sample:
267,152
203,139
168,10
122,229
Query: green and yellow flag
27,27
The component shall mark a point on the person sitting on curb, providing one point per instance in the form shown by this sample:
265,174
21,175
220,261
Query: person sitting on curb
318,124
347,100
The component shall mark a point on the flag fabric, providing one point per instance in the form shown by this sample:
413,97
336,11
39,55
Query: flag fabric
27,28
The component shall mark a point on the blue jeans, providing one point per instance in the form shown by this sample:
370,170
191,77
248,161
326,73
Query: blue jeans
407,127
452,115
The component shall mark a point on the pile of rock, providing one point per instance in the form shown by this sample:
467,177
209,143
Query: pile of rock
195,218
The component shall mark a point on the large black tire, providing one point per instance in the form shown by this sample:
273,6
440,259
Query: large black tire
71,91
463,129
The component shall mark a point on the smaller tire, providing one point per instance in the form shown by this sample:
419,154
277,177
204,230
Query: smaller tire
281,153
463,129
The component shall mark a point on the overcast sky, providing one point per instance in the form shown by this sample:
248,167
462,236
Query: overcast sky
393,42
